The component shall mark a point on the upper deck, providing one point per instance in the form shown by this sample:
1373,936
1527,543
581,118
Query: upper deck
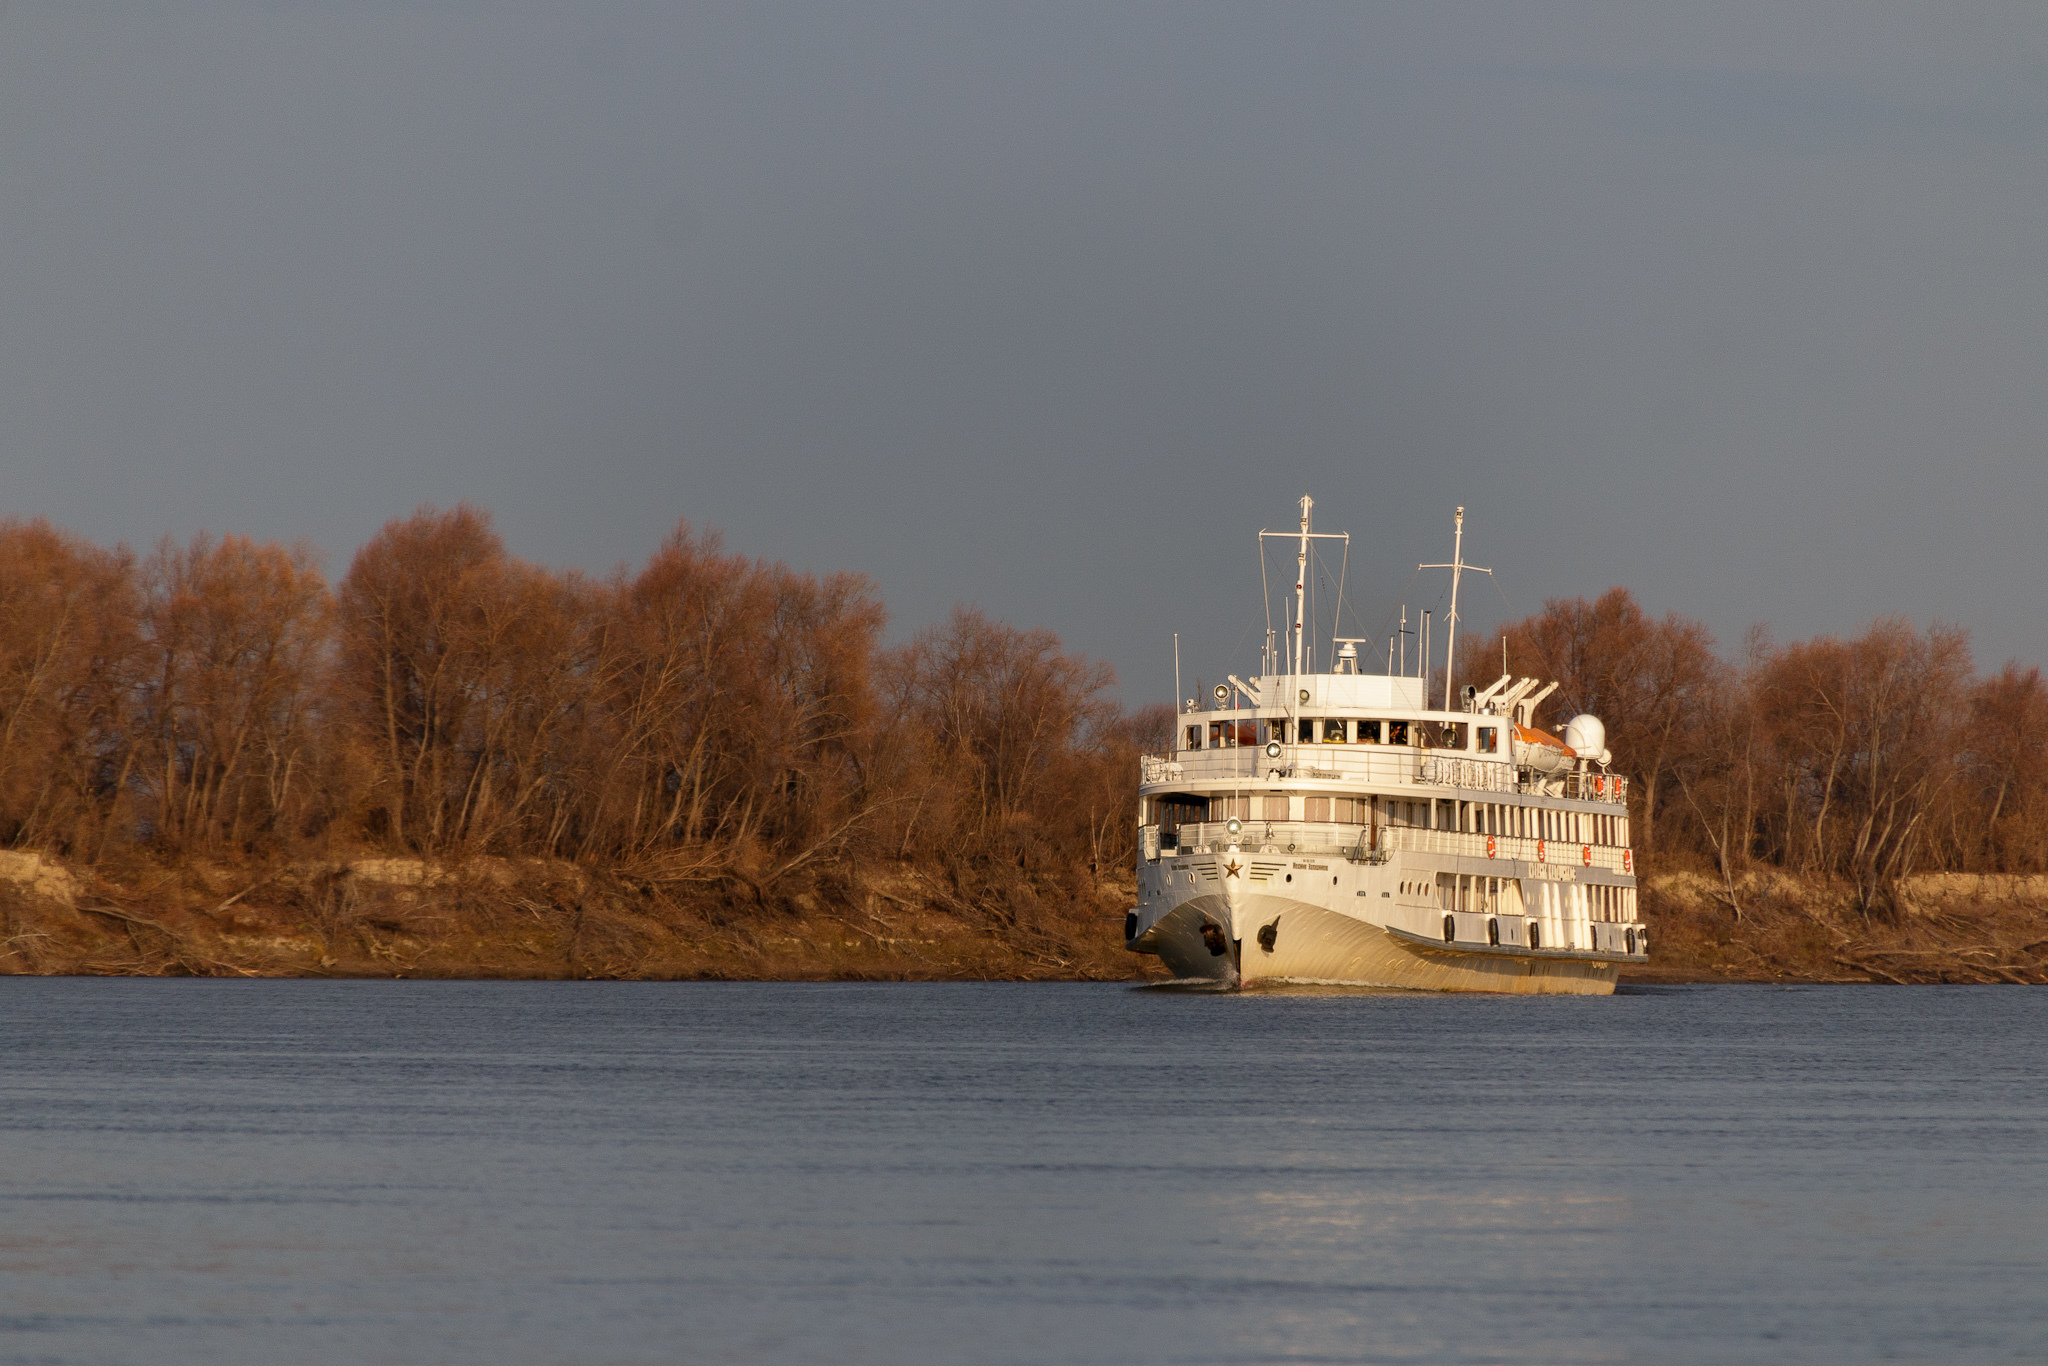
1366,767
1356,731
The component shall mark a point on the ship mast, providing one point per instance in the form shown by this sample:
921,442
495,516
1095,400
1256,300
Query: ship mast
1457,566
1301,578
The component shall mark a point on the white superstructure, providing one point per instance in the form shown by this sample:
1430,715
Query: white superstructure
1333,827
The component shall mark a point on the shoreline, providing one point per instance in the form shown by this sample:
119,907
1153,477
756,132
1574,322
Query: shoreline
504,919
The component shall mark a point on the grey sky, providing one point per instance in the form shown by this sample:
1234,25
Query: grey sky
1050,308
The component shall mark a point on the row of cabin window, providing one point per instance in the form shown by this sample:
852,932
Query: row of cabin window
1480,895
1333,730
1474,818
1540,823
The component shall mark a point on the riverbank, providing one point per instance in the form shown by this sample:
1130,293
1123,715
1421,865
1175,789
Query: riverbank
530,918
1943,927
512,919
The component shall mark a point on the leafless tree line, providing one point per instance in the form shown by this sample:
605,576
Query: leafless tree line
710,718
706,718
1867,759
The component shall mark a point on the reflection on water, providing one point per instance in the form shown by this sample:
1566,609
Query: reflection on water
343,1172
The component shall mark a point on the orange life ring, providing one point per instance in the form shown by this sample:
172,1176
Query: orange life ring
1586,854
1491,847
1628,861
1539,851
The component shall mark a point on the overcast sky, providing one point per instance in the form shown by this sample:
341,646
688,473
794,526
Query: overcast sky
1050,308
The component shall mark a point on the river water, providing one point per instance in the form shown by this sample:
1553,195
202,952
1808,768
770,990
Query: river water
313,1172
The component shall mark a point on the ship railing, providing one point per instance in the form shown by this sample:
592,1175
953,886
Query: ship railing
1361,844
1152,768
1481,775
1560,854
1374,766
1596,787
1319,839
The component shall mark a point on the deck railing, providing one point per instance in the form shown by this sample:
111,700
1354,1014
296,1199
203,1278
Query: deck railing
1356,842
1376,766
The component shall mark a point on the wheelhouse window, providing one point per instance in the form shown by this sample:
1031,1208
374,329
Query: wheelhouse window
1307,731
1333,732
1489,739
1397,732
1194,737
1228,734
1369,732
1451,735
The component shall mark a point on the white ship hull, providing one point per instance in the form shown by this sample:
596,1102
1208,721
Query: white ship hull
1238,917
1316,945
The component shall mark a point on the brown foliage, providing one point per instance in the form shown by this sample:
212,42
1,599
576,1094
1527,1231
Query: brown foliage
2007,771
233,634
69,646
1015,752
723,724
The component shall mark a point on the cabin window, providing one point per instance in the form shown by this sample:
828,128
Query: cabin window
1178,810
1275,808
1346,811
1489,739
1368,732
1333,732
1194,737
1315,808
1397,732
1223,808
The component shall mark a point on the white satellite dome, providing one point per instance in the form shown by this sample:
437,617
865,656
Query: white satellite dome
1586,736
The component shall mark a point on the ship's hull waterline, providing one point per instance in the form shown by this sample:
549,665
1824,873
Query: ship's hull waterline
1311,943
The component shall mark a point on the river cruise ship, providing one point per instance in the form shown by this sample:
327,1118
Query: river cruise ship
1334,827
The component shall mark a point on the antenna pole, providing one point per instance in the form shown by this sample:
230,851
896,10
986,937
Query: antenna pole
1422,659
1404,640
1457,566
1301,579
1451,625
1176,682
